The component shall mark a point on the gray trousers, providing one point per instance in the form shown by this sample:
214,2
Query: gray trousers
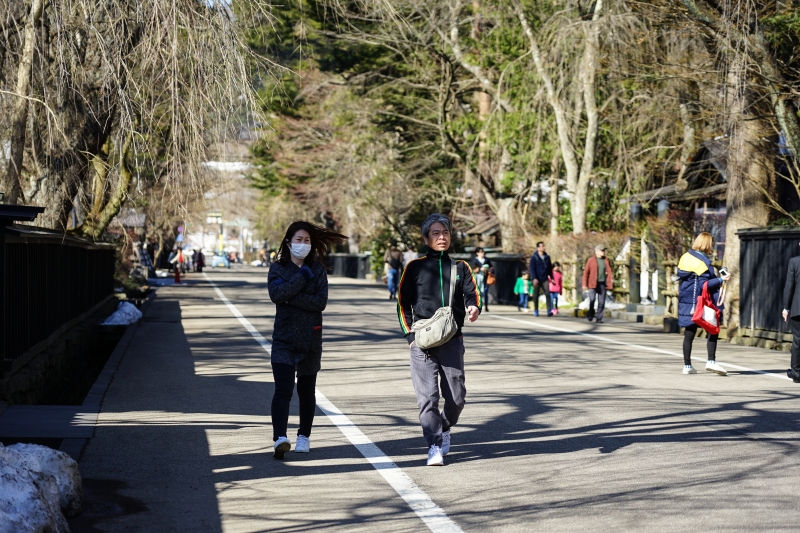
443,364
598,293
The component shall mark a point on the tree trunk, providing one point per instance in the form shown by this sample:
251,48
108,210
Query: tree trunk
751,179
12,176
688,111
506,215
588,72
94,226
555,166
577,177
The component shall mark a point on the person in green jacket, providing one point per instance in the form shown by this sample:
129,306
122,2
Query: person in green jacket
523,288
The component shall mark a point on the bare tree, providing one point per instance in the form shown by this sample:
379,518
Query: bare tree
118,93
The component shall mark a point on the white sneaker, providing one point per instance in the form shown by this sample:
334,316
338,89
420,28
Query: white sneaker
282,445
435,456
689,369
445,442
712,366
303,445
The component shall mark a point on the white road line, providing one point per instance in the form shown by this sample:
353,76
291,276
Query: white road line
639,346
431,514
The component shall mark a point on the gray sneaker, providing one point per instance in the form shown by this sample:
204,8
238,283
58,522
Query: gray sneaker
445,442
435,456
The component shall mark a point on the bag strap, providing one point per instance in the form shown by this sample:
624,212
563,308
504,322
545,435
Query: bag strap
453,273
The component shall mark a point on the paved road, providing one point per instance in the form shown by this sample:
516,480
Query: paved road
568,427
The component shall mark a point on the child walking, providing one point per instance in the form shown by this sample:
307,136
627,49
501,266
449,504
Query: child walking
556,285
523,288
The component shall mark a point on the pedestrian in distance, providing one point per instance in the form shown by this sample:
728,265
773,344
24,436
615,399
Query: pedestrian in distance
541,270
408,256
428,288
524,290
393,265
556,286
598,280
694,270
485,264
298,286
791,315
201,260
480,280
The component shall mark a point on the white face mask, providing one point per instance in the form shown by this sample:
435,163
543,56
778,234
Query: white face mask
298,250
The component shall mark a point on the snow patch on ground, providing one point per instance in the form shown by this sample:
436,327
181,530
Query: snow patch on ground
125,315
38,487
612,306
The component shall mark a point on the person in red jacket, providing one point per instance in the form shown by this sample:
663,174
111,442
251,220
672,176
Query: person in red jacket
598,279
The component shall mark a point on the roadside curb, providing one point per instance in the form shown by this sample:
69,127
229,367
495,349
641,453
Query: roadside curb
94,399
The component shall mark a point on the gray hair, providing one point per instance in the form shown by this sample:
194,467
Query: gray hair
433,219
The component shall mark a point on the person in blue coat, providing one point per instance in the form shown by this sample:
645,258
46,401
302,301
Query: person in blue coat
694,269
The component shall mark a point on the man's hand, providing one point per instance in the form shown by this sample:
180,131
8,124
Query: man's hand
473,313
785,315
535,282
726,277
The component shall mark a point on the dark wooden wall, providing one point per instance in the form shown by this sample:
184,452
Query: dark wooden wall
765,254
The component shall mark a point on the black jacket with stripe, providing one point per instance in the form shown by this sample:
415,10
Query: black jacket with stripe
425,287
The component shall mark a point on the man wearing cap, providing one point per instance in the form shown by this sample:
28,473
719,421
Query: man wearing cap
597,279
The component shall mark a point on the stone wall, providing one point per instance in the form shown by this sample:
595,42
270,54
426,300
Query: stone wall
57,374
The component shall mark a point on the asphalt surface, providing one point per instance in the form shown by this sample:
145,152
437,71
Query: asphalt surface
569,426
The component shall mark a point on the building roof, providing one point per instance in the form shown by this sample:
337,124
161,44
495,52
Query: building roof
487,227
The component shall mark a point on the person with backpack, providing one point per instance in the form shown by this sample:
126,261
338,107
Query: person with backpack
436,295
298,285
695,270
541,270
393,264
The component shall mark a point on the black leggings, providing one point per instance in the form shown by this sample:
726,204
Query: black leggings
688,337
283,375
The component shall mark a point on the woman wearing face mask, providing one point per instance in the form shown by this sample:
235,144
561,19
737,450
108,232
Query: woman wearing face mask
298,285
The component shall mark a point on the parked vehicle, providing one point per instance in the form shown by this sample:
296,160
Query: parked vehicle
220,260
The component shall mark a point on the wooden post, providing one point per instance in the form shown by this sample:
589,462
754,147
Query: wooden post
577,284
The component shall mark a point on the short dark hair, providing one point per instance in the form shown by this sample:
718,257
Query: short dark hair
433,219
478,249
556,264
538,244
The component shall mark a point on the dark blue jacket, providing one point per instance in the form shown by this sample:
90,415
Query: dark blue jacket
540,267
698,271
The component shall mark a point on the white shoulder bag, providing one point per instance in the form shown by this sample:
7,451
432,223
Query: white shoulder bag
441,327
